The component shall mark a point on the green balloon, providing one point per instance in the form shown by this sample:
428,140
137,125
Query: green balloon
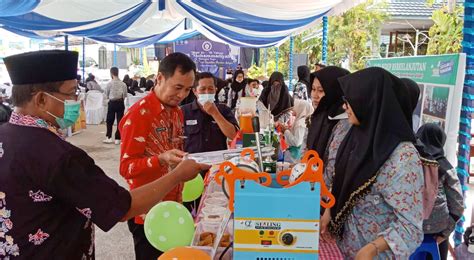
193,189
168,225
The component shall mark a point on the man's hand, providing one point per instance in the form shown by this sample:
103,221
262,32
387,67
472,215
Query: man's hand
210,108
188,170
367,252
171,157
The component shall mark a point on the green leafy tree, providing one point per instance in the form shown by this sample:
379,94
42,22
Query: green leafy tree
446,34
354,35
255,72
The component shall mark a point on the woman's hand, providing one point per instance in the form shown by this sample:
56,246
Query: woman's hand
367,252
325,219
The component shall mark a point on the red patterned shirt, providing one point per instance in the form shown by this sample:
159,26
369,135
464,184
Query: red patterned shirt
147,130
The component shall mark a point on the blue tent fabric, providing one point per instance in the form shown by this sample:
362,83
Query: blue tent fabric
117,26
17,7
28,34
243,20
140,22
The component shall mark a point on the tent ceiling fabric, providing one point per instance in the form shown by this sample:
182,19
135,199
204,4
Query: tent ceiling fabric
139,23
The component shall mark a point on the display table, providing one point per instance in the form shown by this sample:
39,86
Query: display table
211,215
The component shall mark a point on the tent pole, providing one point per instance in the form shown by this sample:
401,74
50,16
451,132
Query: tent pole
466,110
290,73
324,55
83,59
115,55
66,42
276,58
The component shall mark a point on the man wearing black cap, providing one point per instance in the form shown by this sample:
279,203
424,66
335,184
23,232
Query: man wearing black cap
51,191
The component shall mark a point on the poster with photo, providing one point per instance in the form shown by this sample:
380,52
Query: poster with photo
435,104
440,79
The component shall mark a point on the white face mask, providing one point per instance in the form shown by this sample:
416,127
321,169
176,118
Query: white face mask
203,98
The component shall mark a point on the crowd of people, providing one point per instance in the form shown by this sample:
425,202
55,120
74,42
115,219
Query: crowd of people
393,187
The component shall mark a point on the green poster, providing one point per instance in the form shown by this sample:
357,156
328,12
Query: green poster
440,69
440,79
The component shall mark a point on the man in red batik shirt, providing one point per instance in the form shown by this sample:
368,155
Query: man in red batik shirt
152,131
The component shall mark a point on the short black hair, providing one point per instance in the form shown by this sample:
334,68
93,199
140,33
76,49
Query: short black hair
249,80
206,75
22,94
176,60
320,65
114,71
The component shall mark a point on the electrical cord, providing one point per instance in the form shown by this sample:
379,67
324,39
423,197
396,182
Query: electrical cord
225,250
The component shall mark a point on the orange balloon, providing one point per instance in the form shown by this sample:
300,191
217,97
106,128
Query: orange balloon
184,253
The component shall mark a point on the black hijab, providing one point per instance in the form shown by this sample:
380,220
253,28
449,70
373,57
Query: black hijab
409,100
303,74
404,96
383,126
127,80
330,105
413,91
236,87
142,82
432,138
149,85
284,102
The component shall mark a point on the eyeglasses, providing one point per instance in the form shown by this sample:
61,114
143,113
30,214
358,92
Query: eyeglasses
72,96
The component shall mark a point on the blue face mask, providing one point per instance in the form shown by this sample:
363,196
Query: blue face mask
71,112
203,98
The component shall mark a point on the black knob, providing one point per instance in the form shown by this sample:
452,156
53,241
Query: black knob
287,239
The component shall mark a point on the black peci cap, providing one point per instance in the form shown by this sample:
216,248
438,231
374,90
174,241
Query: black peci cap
42,66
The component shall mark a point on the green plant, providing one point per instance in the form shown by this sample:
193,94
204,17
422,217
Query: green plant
255,72
353,35
446,34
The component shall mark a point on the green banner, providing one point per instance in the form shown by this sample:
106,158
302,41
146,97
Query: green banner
440,69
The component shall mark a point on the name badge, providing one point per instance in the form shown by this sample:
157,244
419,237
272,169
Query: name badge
191,122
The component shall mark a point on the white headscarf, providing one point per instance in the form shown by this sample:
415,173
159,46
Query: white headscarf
303,109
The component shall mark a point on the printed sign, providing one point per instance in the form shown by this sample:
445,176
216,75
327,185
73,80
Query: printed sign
440,79
208,55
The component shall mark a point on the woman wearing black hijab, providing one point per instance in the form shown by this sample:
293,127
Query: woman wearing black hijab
127,80
276,96
142,83
303,86
449,205
149,85
237,88
414,96
378,210
325,117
